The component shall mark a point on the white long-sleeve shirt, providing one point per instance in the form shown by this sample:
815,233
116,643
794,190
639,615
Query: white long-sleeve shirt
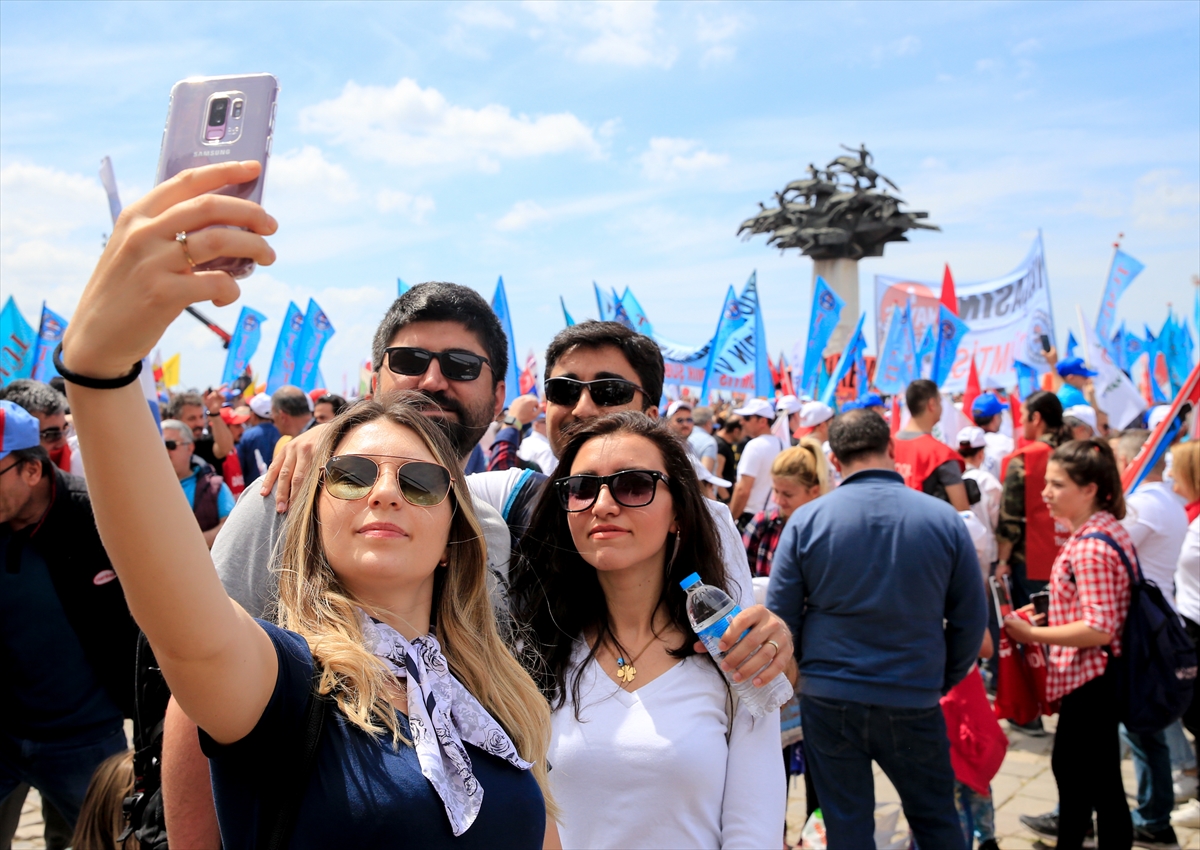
651,768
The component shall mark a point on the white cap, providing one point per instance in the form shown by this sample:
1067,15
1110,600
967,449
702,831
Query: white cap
1086,414
813,413
704,475
972,436
675,406
261,404
789,403
1157,414
757,407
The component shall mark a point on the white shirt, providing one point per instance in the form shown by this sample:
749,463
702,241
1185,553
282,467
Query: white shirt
1187,574
998,447
1156,520
536,448
987,510
703,445
652,768
756,462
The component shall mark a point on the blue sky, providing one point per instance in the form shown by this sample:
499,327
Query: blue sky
561,143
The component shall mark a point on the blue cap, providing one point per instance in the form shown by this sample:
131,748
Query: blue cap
18,429
851,405
986,406
694,578
871,400
1074,366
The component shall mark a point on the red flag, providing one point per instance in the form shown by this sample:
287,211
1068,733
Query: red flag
949,299
786,386
1189,392
1014,404
775,378
895,423
973,389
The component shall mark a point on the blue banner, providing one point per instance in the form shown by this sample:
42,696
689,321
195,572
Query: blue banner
283,364
566,315
1027,379
897,361
826,309
512,377
17,342
951,332
1122,272
246,337
50,334
1132,347
925,353
851,356
734,364
316,332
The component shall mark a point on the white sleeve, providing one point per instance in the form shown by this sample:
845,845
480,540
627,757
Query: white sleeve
748,465
494,488
755,802
733,553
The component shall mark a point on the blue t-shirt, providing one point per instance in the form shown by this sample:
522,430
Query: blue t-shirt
262,437
48,691
225,500
361,793
1070,396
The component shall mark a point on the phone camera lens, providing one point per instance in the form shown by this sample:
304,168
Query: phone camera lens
237,109
216,113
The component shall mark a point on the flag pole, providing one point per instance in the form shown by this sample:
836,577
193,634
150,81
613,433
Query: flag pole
1087,343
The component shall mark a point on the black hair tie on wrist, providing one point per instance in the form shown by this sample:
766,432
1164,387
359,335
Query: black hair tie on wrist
94,383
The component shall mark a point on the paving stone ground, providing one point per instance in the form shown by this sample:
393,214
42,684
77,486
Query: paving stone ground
1024,786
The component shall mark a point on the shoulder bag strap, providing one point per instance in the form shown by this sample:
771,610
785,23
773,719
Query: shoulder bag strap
1134,577
280,821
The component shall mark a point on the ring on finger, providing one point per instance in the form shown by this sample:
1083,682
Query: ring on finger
774,644
181,237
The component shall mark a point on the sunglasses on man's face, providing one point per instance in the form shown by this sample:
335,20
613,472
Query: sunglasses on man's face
172,445
51,435
633,488
604,392
456,365
422,483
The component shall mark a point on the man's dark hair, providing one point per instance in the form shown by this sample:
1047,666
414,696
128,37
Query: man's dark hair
35,397
858,434
179,401
437,301
984,421
333,400
918,395
59,384
290,400
33,454
640,350
1050,408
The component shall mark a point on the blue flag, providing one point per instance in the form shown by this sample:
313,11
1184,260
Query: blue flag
764,387
1122,272
606,303
17,342
1071,344
1133,347
635,314
826,310
925,354
851,356
512,377
951,332
283,364
50,334
245,341
566,315
401,287
737,361
1027,379
897,361
314,334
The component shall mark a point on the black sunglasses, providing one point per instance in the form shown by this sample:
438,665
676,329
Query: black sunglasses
172,445
633,488
456,365
51,435
422,483
604,392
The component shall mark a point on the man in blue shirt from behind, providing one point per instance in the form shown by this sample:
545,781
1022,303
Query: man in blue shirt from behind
882,589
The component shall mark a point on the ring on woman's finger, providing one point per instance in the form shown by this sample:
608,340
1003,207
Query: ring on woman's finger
774,644
181,238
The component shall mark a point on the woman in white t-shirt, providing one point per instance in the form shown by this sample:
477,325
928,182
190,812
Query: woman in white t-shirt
648,748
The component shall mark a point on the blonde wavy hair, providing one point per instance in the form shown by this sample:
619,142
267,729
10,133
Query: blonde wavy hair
315,604
805,463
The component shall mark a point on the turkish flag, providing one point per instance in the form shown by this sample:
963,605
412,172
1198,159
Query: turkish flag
973,389
949,299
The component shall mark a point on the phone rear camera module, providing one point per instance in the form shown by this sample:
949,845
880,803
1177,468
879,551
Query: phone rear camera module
217,112
237,108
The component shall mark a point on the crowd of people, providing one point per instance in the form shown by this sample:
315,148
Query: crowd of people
428,619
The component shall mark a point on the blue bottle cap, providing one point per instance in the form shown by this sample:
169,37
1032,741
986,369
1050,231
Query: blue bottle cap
694,578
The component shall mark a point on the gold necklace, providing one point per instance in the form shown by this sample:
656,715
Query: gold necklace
625,669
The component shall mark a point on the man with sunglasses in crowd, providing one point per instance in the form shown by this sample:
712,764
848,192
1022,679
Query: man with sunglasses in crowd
49,407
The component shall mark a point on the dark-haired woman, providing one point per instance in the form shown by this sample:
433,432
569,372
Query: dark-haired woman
1089,601
648,748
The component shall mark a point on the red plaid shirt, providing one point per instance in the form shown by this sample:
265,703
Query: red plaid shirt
1088,582
760,539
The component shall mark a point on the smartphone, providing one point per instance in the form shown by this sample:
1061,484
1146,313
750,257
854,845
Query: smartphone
220,119
1001,596
1041,603
1045,343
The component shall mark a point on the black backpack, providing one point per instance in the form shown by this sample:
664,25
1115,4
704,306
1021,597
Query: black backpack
1159,674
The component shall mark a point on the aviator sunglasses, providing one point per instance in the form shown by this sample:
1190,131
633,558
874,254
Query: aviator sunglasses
422,483
456,365
633,488
605,392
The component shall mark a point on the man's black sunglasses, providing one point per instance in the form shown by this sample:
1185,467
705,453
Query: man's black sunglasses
51,435
633,488
456,365
172,445
605,392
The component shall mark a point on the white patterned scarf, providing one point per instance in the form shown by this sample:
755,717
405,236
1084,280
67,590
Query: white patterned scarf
442,714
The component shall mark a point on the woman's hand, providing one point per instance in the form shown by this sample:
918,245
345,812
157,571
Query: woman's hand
1018,629
144,280
744,659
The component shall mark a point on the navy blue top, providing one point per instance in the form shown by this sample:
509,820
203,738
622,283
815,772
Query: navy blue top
263,437
865,577
362,793
49,691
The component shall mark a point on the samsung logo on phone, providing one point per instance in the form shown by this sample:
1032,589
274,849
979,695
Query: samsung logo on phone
222,152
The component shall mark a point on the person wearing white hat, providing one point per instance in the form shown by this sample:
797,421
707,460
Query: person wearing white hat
753,487
787,411
972,445
708,481
815,417
1157,414
1081,419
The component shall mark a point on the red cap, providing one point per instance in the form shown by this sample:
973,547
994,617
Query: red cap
232,418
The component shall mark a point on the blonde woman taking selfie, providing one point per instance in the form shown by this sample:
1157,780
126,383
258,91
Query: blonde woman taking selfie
427,733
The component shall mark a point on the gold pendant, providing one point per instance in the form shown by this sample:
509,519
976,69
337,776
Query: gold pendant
625,672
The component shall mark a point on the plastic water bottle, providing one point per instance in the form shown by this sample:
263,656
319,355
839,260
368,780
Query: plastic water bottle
710,611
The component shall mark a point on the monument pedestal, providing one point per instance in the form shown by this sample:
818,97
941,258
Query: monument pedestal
842,276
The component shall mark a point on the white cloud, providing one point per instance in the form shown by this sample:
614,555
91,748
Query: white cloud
667,159
411,126
607,32
1163,201
414,207
485,16
984,66
905,46
715,33
522,214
